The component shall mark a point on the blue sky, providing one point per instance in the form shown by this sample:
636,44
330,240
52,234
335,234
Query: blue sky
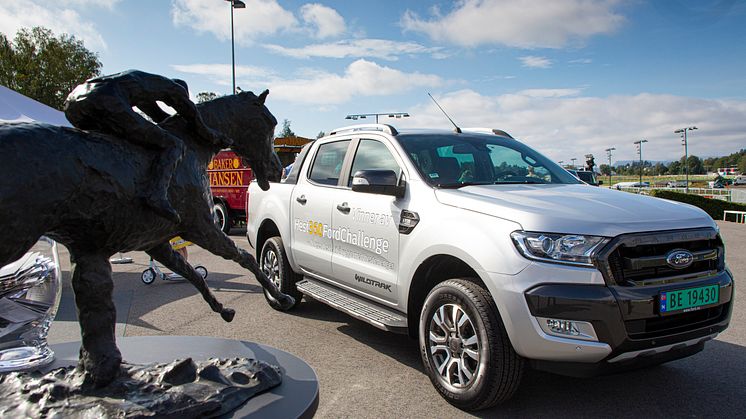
568,77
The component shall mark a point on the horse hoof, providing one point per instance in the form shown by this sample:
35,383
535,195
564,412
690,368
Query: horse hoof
227,314
286,302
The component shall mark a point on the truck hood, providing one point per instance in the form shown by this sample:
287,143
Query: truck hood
578,209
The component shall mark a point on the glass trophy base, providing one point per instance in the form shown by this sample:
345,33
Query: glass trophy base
25,358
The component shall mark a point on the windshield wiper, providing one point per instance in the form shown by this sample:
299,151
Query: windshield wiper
520,182
459,185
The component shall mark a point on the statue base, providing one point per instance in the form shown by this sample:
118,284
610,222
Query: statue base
275,383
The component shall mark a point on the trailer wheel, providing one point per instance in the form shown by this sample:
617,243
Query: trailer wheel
274,263
222,219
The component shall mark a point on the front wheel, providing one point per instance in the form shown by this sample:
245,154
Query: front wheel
465,349
274,263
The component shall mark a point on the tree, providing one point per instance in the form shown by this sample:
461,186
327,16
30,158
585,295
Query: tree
44,67
286,131
206,96
605,169
320,134
695,165
675,168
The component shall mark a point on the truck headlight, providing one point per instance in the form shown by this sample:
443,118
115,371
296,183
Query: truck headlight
573,249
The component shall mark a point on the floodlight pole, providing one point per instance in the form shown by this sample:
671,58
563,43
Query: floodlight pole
608,154
639,150
235,4
684,142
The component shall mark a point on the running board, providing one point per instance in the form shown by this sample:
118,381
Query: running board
357,307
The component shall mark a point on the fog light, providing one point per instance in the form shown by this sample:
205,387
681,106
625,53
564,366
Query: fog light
573,329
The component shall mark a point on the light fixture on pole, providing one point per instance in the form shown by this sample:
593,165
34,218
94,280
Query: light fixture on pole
357,116
639,150
573,163
560,162
235,4
684,142
608,154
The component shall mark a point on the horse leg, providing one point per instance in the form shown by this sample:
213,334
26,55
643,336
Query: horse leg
99,356
216,242
171,259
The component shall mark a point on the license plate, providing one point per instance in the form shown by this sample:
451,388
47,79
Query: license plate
689,299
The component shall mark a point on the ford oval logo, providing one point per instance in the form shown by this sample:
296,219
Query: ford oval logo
679,258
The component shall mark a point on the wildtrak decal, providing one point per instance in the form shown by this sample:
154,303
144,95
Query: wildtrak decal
343,234
372,282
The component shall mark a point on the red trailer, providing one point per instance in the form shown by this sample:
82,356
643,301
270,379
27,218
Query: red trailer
229,176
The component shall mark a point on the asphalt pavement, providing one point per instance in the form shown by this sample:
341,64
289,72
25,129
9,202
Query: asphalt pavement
365,372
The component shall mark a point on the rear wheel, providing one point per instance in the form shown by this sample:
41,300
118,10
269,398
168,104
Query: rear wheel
222,219
274,263
465,348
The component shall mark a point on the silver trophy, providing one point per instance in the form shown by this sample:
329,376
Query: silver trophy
30,290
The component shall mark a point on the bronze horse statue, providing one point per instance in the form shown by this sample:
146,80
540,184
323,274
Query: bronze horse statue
84,190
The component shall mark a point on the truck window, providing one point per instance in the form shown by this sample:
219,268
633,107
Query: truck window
373,155
328,163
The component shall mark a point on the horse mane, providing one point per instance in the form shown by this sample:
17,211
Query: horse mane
231,113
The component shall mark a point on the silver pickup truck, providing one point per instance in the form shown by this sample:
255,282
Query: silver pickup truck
492,256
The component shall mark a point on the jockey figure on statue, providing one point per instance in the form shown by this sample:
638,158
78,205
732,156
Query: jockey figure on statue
104,104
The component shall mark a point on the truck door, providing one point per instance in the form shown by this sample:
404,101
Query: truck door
365,229
311,208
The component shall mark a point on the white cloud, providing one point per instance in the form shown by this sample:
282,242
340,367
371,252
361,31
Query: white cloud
260,17
566,126
532,61
581,61
548,93
359,48
318,87
61,17
325,20
361,78
518,23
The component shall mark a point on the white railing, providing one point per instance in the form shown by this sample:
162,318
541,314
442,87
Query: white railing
714,193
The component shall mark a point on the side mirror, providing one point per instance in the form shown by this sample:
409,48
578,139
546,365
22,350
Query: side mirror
381,182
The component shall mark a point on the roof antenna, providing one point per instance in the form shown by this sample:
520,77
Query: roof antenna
458,130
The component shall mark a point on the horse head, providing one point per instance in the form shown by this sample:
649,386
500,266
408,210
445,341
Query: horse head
245,119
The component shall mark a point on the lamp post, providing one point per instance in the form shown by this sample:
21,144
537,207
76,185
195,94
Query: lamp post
235,4
684,142
573,163
357,116
608,154
639,150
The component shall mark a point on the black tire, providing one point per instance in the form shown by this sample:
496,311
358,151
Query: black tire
497,371
222,217
201,270
148,276
274,263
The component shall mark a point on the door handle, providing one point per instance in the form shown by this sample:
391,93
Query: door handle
343,208
302,199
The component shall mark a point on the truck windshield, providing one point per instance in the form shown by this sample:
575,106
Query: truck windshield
456,160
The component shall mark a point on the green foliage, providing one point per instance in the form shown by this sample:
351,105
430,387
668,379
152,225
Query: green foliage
286,131
605,169
206,96
44,67
320,134
713,207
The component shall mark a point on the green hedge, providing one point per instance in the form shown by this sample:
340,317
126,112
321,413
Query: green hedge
713,207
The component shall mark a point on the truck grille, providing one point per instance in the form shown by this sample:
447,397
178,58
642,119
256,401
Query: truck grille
640,259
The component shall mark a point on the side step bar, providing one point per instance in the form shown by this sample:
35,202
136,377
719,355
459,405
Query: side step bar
357,307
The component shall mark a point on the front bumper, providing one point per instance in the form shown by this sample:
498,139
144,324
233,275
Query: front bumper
626,320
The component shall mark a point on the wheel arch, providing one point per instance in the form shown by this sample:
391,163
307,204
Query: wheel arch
267,229
432,271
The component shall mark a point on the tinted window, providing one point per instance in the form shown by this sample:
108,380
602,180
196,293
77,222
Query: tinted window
373,155
453,160
328,162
